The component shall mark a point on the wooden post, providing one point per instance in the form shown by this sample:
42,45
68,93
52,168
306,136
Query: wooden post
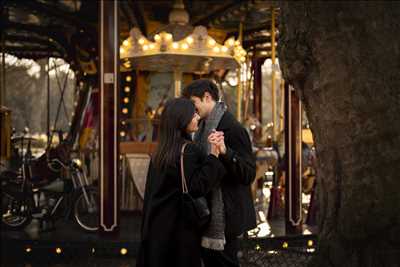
109,113
293,156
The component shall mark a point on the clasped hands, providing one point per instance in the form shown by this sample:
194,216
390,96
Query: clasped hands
216,139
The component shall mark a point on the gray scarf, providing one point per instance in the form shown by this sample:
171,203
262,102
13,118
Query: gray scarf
214,234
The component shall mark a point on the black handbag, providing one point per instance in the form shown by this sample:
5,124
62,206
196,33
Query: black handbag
195,210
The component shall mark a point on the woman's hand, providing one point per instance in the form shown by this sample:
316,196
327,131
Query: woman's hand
214,150
216,139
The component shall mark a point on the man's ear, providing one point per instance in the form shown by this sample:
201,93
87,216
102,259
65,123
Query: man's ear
207,97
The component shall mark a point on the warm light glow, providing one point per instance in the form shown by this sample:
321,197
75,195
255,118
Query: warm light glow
211,42
145,47
258,247
243,59
189,40
216,49
125,110
152,46
184,46
123,122
58,250
93,250
224,49
121,50
123,251
128,78
310,243
126,100
141,41
231,42
127,64
157,37
175,45
28,250
122,135
168,37
125,43
237,43
285,245
127,89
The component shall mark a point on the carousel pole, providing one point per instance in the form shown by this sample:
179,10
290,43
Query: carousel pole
239,85
282,108
48,101
177,82
109,117
273,58
3,71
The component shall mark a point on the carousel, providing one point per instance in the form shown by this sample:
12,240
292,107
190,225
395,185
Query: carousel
78,169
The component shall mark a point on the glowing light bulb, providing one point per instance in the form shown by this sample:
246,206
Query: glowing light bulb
231,42
212,42
122,135
157,37
126,100
28,250
141,41
128,78
152,46
224,49
168,37
58,250
121,50
184,46
175,45
216,49
123,251
189,40
145,47
127,89
125,110
125,43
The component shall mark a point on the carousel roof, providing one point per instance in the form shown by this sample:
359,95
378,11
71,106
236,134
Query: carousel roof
68,28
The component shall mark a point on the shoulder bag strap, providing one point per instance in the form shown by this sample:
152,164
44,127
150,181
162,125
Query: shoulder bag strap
184,185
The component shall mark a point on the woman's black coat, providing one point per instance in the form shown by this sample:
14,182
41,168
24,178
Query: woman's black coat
167,239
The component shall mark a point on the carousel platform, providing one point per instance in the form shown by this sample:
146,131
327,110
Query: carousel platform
69,242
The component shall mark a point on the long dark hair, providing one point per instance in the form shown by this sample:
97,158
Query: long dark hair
176,116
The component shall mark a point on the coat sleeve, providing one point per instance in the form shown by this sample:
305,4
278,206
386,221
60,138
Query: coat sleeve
203,172
239,160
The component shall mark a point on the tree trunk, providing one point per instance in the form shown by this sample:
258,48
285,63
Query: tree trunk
343,58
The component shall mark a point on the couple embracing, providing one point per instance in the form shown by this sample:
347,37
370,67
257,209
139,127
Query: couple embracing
218,164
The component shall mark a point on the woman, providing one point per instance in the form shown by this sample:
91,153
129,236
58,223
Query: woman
167,239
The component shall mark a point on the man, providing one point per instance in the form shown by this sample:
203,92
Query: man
238,213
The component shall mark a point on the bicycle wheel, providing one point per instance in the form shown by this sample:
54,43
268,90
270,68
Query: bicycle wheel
86,210
15,214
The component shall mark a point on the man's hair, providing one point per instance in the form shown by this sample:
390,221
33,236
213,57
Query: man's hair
199,87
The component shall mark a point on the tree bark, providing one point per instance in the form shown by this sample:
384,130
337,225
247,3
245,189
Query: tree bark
343,58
